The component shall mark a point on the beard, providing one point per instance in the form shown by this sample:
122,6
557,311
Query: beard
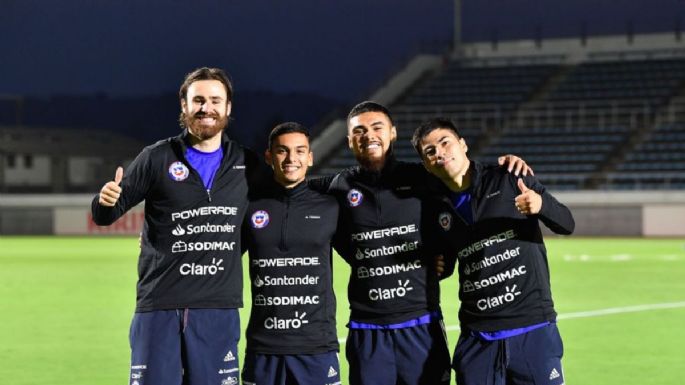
202,131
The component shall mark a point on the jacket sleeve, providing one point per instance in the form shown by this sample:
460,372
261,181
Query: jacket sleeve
138,178
556,216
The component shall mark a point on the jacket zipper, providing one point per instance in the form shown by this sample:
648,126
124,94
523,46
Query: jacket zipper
284,228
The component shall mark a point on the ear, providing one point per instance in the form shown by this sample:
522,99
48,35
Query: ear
310,159
229,105
393,134
463,145
350,144
184,106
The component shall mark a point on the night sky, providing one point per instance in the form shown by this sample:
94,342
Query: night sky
117,65
339,49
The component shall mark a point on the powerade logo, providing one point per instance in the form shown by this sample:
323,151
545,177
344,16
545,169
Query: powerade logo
204,211
382,233
275,323
483,243
286,262
198,269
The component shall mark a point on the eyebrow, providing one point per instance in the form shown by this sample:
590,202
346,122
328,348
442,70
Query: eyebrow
212,98
283,146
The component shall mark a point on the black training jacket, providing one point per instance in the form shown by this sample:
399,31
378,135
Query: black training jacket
380,234
503,271
288,233
190,252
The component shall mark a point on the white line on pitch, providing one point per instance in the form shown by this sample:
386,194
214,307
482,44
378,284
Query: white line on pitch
611,310
596,313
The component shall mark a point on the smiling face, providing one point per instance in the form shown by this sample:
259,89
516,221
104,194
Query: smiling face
370,135
290,158
444,154
206,108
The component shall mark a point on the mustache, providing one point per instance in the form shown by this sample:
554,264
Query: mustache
200,115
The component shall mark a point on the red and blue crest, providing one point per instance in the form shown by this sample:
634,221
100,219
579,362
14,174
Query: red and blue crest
259,219
178,171
354,198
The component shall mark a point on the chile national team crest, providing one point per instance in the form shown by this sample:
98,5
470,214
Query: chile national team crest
354,198
178,171
259,219
445,220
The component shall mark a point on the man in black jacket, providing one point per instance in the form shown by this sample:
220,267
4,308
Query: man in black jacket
186,325
289,229
396,333
508,329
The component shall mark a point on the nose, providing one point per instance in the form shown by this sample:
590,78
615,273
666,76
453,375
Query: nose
440,154
290,157
204,107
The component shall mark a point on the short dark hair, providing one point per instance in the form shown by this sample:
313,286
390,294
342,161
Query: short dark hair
206,73
429,126
287,128
369,106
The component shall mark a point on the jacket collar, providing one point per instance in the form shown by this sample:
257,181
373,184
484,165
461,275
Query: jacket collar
183,141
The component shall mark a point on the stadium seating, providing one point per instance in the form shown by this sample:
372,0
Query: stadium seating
616,124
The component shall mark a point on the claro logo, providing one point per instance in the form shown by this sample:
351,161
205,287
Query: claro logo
198,269
296,322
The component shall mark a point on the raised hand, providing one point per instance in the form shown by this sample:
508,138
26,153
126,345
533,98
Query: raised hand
516,164
110,192
528,202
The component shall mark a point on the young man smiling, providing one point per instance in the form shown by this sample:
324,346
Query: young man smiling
291,335
508,330
396,334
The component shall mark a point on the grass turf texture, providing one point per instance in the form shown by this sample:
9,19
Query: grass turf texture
67,304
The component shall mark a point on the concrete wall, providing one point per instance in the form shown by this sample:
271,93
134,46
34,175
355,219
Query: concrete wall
60,215
597,213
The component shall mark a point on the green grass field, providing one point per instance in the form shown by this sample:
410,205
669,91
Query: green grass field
66,304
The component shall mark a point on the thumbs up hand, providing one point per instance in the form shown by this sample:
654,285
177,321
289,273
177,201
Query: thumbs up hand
528,202
110,192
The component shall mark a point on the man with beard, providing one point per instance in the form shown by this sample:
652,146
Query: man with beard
396,332
186,326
